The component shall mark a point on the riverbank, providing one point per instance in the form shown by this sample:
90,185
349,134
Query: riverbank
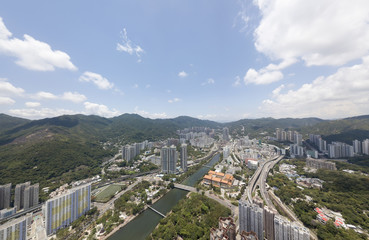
127,220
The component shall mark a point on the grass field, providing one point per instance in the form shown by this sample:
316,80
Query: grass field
107,193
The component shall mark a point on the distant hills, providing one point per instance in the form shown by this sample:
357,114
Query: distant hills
71,146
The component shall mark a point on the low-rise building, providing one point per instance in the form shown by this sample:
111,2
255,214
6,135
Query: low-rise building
218,179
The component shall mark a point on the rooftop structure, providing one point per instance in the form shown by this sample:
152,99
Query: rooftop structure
218,179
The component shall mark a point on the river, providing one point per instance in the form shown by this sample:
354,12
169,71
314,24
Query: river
140,227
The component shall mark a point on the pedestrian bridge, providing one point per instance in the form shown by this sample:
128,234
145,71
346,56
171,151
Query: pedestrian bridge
156,211
185,187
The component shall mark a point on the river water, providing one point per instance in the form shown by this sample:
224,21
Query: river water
140,227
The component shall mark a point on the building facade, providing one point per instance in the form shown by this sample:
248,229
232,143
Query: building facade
184,157
251,218
15,229
5,195
62,210
168,157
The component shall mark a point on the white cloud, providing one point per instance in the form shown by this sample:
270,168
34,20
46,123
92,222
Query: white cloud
237,81
32,104
261,77
74,97
207,116
68,96
32,113
8,89
209,81
182,74
45,95
97,79
276,91
100,109
341,94
148,85
326,33
174,100
150,115
135,86
31,53
6,101
129,47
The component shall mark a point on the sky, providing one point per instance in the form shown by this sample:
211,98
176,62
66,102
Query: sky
219,60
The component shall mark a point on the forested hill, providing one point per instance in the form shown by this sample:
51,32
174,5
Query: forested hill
344,130
69,147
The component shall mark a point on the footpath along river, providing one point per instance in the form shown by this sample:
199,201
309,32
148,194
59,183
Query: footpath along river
141,227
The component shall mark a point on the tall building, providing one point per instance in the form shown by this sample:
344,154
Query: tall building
19,195
15,229
225,134
269,222
31,194
184,157
226,152
5,195
356,144
339,149
296,150
365,147
285,230
62,210
298,138
251,218
168,159
7,212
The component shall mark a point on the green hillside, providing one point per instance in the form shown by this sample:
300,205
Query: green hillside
7,122
344,130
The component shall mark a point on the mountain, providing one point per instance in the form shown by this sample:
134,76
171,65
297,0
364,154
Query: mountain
71,146
7,122
256,126
344,130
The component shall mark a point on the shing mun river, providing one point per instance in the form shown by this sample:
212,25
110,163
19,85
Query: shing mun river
142,226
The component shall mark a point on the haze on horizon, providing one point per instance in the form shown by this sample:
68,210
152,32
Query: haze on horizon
215,60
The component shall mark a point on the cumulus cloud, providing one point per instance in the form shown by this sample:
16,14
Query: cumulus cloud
32,104
8,89
100,109
39,113
32,54
97,79
209,81
174,100
68,96
326,33
129,47
6,101
146,114
182,74
343,93
268,74
74,97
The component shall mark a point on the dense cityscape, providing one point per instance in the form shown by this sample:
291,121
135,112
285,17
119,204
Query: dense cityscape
179,120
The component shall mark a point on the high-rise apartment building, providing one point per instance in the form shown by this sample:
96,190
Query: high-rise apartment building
251,218
62,210
365,147
184,157
356,144
5,195
225,134
285,230
15,229
269,222
168,157
19,195
298,138
31,194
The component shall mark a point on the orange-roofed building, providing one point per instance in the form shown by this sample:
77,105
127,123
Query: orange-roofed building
218,179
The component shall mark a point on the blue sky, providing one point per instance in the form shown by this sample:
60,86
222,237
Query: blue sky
217,60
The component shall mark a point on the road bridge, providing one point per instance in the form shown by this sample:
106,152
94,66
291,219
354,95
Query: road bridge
185,187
